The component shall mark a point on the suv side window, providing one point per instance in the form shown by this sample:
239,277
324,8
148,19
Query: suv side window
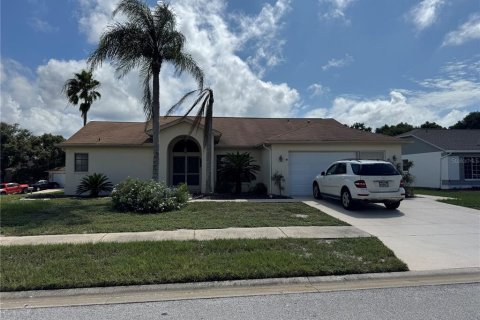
341,168
331,170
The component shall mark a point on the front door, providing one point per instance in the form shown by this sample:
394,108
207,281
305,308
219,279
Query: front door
186,169
186,164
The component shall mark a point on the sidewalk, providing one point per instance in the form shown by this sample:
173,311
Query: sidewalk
186,234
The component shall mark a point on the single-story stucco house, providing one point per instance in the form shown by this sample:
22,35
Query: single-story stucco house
442,158
297,148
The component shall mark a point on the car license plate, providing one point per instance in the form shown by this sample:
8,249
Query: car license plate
383,184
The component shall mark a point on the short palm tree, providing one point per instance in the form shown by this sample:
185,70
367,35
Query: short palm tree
95,183
239,167
205,101
82,87
147,39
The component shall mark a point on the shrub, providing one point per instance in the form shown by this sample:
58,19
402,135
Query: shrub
95,183
260,189
278,179
237,168
148,196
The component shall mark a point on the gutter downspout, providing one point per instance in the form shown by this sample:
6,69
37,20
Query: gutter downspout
270,176
447,154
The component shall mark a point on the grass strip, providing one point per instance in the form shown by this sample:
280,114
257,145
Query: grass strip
113,264
464,198
73,215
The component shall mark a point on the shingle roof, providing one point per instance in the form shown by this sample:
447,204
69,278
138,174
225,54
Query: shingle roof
448,139
235,132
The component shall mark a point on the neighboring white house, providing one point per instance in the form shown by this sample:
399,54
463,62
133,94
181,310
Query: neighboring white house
297,148
442,158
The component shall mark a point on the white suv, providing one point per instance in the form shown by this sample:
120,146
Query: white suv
361,180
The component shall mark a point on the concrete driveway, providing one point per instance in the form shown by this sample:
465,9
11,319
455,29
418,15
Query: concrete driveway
424,233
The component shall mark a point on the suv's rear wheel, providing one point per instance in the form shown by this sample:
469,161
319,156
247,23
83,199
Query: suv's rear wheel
392,205
316,191
346,199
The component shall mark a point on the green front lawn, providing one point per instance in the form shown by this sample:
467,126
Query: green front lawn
74,215
464,198
113,264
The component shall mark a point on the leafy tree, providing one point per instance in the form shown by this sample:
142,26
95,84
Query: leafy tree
471,121
205,101
394,130
16,147
239,167
82,87
95,183
431,125
147,39
361,126
28,155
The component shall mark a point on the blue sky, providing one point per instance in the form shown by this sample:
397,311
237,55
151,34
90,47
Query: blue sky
354,60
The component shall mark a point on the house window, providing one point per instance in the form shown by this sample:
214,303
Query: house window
81,162
471,167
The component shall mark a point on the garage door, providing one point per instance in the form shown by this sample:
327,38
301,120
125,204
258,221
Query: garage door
304,166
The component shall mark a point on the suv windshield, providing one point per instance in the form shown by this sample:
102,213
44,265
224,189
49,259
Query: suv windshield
374,169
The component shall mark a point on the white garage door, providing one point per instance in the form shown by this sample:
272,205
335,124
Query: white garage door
59,178
303,167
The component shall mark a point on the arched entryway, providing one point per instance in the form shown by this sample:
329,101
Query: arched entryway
185,163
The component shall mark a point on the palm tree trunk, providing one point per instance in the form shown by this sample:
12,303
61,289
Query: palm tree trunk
85,119
208,188
156,123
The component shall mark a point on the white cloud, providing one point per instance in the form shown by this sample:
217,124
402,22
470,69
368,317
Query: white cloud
317,89
445,100
335,9
262,30
468,31
95,17
40,25
34,99
425,13
338,63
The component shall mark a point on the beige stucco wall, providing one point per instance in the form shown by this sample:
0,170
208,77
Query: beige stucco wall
284,149
117,163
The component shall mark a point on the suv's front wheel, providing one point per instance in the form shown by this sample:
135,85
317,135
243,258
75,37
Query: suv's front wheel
346,199
316,191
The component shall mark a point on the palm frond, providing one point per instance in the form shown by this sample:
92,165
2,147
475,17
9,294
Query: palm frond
184,62
137,12
124,44
179,103
146,75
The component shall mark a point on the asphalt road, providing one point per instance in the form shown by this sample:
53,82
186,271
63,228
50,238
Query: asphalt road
425,302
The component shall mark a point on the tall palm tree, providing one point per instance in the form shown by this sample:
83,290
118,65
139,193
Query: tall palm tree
205,101
82,87
146,40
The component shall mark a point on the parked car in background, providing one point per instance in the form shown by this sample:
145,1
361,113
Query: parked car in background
354,181
44,184
12,188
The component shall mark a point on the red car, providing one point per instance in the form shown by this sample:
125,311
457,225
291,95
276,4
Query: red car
12,188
